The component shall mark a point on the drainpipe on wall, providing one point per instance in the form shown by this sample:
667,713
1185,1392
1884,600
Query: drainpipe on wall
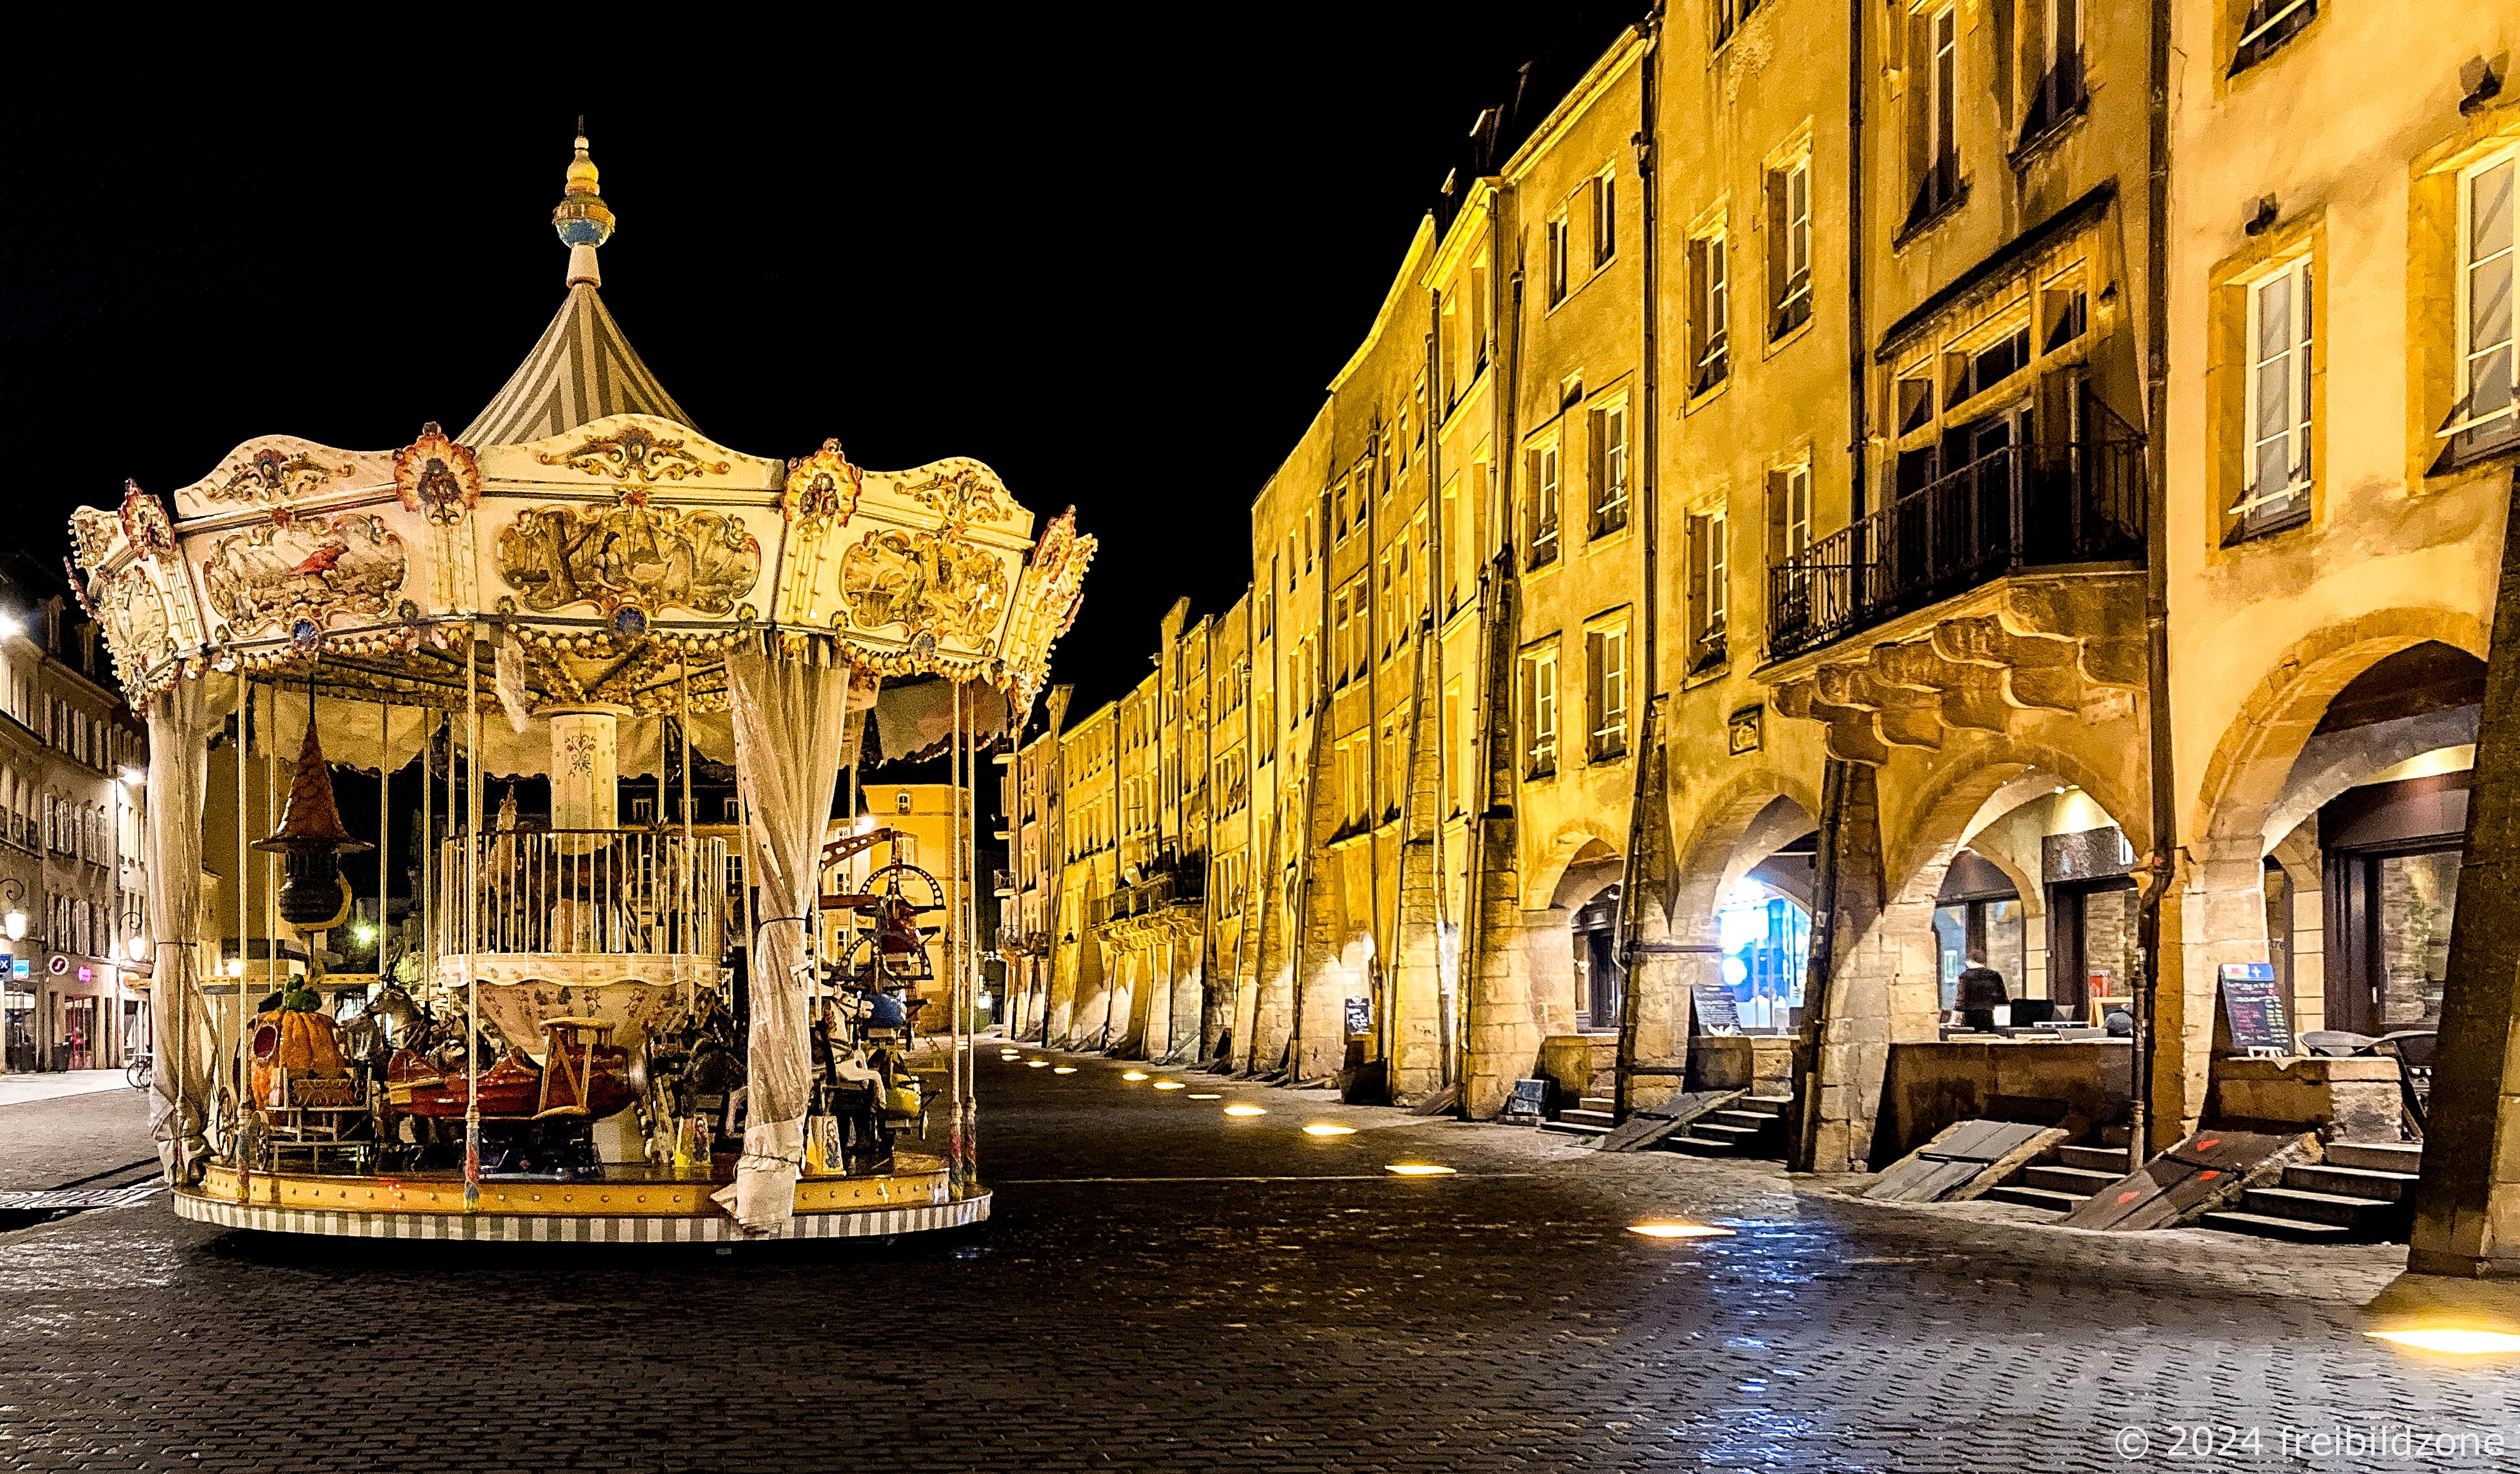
2161,864
1633,874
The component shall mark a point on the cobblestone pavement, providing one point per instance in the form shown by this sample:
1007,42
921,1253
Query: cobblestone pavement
44,1144
1165,1288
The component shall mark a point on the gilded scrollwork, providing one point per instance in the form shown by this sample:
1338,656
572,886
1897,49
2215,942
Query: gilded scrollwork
1047,600
962,493
927,584
304,571
275,473
138,632
631,555
437,478
822,489
635,453
144,523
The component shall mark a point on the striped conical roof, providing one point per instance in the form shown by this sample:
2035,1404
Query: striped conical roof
582,370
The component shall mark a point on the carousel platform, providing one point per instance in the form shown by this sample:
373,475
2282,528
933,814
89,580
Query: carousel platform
630,1205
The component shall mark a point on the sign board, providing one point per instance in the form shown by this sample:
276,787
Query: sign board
22,968
1360,1016
1716,1013
1741,730
1529,1100
2257,1017
59,964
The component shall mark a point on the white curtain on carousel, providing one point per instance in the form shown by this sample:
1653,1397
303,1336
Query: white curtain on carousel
790,723
179,754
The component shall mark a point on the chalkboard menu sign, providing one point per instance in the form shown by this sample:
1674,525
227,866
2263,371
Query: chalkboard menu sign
1360,1016
1529,1100
2255,1011
1715,1012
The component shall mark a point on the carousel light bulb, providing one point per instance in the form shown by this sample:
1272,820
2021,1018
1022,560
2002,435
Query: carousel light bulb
236,967
363,932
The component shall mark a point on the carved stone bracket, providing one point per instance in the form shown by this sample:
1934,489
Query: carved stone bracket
2046,646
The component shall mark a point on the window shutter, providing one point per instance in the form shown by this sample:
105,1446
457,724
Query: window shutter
1698,550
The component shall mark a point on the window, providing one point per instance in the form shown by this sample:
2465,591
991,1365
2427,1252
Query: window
1706,590
1557,260
1989,358
1479,318
2058,64
1914,395
1934,45
1604,193
1710,312
1727,19
1310,514
2278,416
901,802
1789,512
1338,513
1543,528
1606,441
2484,420
1789,246
1449,532
2269,24
643,810
1605,687
1540,712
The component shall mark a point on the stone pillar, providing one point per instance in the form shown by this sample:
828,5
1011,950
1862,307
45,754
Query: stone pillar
1415,993
2221,918
1660,980
1504,1040
585,794
1190,987
1547,933
1059,1008
1875,985
1273,992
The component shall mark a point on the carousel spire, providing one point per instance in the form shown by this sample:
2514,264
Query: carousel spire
582,218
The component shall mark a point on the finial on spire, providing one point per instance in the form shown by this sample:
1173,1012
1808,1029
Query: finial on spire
582,218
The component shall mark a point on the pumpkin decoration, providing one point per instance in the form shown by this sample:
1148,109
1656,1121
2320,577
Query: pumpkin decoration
293,1040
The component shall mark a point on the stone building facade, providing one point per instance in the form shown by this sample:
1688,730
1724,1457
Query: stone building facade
72,764
1827,491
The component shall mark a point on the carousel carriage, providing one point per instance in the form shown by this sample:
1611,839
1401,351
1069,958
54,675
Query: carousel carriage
577,587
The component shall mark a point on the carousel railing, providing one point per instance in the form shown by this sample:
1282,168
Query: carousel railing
622,892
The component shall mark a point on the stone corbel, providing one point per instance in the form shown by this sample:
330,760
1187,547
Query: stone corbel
1968,696
2040,672
1901,717
1848,734
2100,613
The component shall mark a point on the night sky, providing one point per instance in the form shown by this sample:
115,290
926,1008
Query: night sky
1116,264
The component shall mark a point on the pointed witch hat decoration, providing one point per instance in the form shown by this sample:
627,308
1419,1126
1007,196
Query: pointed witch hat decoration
311,839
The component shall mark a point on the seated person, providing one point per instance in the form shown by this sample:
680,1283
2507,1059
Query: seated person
1980,992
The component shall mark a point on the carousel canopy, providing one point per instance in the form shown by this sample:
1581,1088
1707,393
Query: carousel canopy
605,553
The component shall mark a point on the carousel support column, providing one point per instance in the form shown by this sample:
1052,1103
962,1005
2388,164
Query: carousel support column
585,758
231,1049
472,918
384,832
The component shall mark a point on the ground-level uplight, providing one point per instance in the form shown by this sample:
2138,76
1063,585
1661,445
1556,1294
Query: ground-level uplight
1660,1230
1064,1069
1035,1063
1325,1128
1135,1075
1246,1110
1168,1084
1209,1097
1417,1170
2453,1341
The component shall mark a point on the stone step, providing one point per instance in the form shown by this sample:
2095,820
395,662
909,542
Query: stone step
1589,1119
2080,1182
2364,1215
1598,1102
2114,1135
1716,1143
1747,1120
2036,1198
1765,1105
2290,1230
2377,1156
2351,1182
1565,1128
1724,1131
2109,1159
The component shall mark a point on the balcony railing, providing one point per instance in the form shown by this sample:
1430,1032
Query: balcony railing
2021,506
601,891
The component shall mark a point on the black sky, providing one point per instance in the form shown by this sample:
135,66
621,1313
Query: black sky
1116,263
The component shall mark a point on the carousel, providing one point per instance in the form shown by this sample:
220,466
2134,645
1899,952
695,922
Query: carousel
578,1028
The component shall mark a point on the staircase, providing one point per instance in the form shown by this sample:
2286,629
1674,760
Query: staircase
1592,1117
1754,1127
2360,1194
2060,1183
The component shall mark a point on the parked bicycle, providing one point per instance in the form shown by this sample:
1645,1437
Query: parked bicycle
141,1069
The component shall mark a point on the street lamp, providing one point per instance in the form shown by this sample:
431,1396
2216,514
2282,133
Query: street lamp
16,920
136,949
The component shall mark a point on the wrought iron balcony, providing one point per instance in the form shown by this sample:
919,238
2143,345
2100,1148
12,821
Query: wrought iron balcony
2022,506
